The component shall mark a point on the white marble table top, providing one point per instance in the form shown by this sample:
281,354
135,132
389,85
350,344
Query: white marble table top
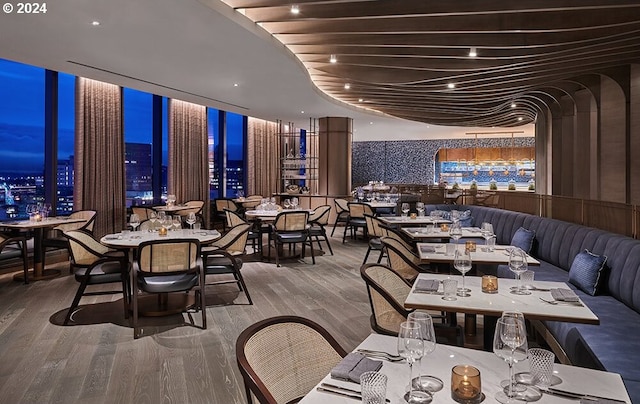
419,233
436,252
494,304
44,223
492,370
135,238
400,221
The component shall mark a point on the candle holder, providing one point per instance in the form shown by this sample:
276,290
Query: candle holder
470,246
466,387
489,284
444,227
162,231
413,215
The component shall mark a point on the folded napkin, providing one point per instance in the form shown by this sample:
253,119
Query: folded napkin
565,295
427,249
427,285
353,365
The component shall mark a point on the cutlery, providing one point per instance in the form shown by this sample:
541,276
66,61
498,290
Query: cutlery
343,389
560,302
373,351
577,396
381,355
340,393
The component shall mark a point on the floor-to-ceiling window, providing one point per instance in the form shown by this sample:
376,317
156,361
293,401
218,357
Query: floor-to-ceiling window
213,130
21,137
66,136
138,137
235,155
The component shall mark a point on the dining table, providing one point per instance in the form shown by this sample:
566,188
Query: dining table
493,370
39,227
167,303
437,253
408,221
436,233
538,305
171,209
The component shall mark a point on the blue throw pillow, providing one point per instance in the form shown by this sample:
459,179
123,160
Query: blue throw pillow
585,271
523,239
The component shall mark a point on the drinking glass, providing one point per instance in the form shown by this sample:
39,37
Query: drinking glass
420,208
509,335
428,383
177,222
517,265
405,210
46,209
521,353
294,203
462,262
487,232
167,222
455,231
411,347
153,218
134,221
286,204
191,219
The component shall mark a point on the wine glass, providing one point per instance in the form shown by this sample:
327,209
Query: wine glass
153,218
509,335
134,221
462,262
487,232
294,203
167,222
411,347
520,354
191,219
518,265
177,222
405,209
420,208
455,231
428,383
286,203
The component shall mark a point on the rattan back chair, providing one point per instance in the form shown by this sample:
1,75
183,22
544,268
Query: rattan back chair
56,239
222,204
356,219
255,233
318,220
291,228
94,264
342,213
15,246
375,230
167,266
401,259
282,358
388,291
142,212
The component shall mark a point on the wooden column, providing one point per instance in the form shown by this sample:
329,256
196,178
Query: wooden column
334,160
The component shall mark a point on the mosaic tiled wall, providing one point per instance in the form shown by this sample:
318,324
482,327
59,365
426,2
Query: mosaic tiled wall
412,161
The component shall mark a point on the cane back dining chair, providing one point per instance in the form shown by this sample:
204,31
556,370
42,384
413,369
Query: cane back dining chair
224,256
403,260
356,219
375,230
387,291
282,358
291,228
15,246
342,213
168,266
255,233
222,204
56,239
318,220
94,264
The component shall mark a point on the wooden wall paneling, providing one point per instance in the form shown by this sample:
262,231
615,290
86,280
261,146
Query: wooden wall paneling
610,216
612,169
585,110
634,134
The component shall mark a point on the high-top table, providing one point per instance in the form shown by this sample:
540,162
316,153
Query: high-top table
492,371
39,227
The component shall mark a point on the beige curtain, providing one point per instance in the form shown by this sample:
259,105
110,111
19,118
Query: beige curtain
188,176
263,156
99,154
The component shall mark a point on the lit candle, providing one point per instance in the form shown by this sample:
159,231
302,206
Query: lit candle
489,284
465,384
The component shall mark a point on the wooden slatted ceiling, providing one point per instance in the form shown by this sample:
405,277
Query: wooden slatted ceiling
399,55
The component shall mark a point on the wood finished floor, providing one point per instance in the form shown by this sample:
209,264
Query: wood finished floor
98,361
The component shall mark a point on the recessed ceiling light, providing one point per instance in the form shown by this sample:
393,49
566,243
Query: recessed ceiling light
519,118
370,123
451,85
95,23
360,100
295,9
473,52
347,86
302,112
513,105
235,84
333,59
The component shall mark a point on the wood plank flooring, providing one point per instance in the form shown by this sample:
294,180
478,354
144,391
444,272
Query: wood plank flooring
98,361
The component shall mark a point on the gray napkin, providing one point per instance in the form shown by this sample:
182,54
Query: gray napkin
564,295
353,365
427,249
427,285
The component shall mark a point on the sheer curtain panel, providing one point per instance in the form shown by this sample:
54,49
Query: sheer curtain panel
263,165
188,173
99,154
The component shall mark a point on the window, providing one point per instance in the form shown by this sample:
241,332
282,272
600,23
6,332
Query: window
213,125
235,155
66,137
21,138
138,137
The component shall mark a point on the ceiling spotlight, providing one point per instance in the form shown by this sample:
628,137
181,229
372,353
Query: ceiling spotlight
333,59
519,118
360,99
451,85
513,105
95,23
347,86
295,9
235,84
473,52
302,112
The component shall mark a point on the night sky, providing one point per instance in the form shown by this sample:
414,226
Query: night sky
22,119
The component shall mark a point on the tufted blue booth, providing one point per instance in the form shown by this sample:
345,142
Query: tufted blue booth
613,345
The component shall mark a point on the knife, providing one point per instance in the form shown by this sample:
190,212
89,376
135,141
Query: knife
326,387
577,396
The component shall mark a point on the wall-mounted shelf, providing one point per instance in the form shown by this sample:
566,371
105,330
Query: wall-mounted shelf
298,156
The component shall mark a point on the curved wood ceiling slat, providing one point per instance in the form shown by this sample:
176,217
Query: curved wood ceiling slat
399,56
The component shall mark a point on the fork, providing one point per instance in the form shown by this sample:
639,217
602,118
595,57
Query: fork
556,302
380,355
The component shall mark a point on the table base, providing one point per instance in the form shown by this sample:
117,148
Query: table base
164,304
42,276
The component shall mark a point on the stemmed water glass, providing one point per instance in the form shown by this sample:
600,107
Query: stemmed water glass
167,222
134,221
191,220
509,335
162,218
428,383
177,222
520,354
487,231
518,265
286,203
294,203
153,218
420,208
462,262
405,210
455,231
411,347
